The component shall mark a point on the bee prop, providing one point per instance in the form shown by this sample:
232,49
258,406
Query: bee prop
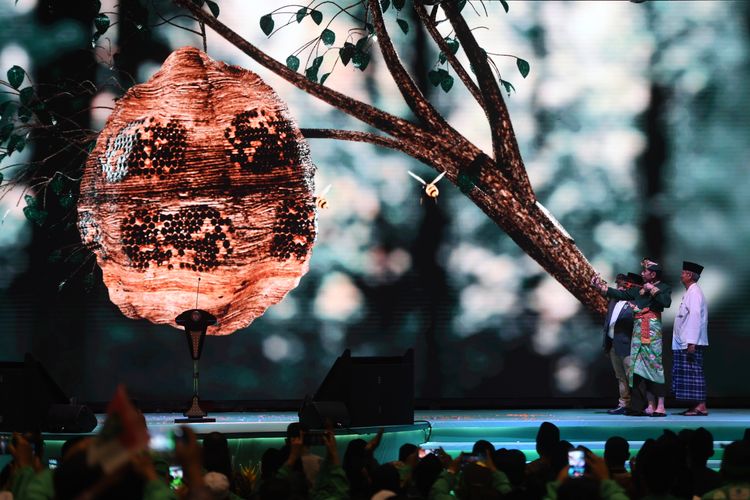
430,189
320,201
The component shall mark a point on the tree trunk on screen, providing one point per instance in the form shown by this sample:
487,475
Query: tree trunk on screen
651,166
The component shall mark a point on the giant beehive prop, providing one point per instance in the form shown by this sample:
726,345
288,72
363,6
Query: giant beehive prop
199,172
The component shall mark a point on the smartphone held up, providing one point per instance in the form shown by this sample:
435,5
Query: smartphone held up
576,463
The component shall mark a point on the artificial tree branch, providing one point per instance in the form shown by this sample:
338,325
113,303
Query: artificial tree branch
421,107
504,145
533,232
496,191
352,135
452,59
388,123
432,155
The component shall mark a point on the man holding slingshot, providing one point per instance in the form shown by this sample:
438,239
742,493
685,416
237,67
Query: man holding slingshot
646,373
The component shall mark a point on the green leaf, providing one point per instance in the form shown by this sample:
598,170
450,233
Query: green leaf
312,73
461,5
1,174
27,95
5,132
466,182
101,23
508,87
24,114
384,4
436,77
328,37
523,67
453,44
346,52
301,14
317,16
361,60
446,83
16,143
361,44
292,62
30,200
324,78
317,62
370,28
7,110
213,7
266,24
505,5
398,4
403,25
16,75
35,215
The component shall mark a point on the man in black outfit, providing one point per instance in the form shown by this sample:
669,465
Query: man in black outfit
618,331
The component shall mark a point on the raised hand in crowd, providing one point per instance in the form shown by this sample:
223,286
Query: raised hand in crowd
373,444
22,452
329,439
188,453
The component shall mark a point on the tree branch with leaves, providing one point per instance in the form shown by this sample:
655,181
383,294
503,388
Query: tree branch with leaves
497,184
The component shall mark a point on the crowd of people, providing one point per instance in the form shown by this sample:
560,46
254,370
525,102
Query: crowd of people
670,466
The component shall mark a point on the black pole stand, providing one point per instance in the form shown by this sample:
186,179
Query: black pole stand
195,321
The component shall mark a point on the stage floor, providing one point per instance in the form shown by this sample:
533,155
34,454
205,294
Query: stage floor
251,433
456,431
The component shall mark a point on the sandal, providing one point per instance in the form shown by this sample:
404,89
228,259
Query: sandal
658,414
695,413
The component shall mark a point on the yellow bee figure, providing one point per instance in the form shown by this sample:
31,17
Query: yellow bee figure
430,189
320,200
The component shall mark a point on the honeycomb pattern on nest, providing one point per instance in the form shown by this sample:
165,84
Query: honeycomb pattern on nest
145,148
91,233
259,141
294,230
195,238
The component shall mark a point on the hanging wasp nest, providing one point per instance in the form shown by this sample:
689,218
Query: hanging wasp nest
200,172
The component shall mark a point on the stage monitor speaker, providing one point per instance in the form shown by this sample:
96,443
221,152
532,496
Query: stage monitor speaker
30,400
376,390
70,418
318,414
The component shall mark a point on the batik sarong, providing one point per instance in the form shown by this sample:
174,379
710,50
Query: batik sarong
646,347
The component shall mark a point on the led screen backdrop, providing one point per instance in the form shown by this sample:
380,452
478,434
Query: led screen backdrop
632,123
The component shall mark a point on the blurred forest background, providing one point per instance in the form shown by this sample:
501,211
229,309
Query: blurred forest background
633,123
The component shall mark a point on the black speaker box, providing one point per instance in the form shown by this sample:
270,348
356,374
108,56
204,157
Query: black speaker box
31,401
70,418
376,390
317,415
